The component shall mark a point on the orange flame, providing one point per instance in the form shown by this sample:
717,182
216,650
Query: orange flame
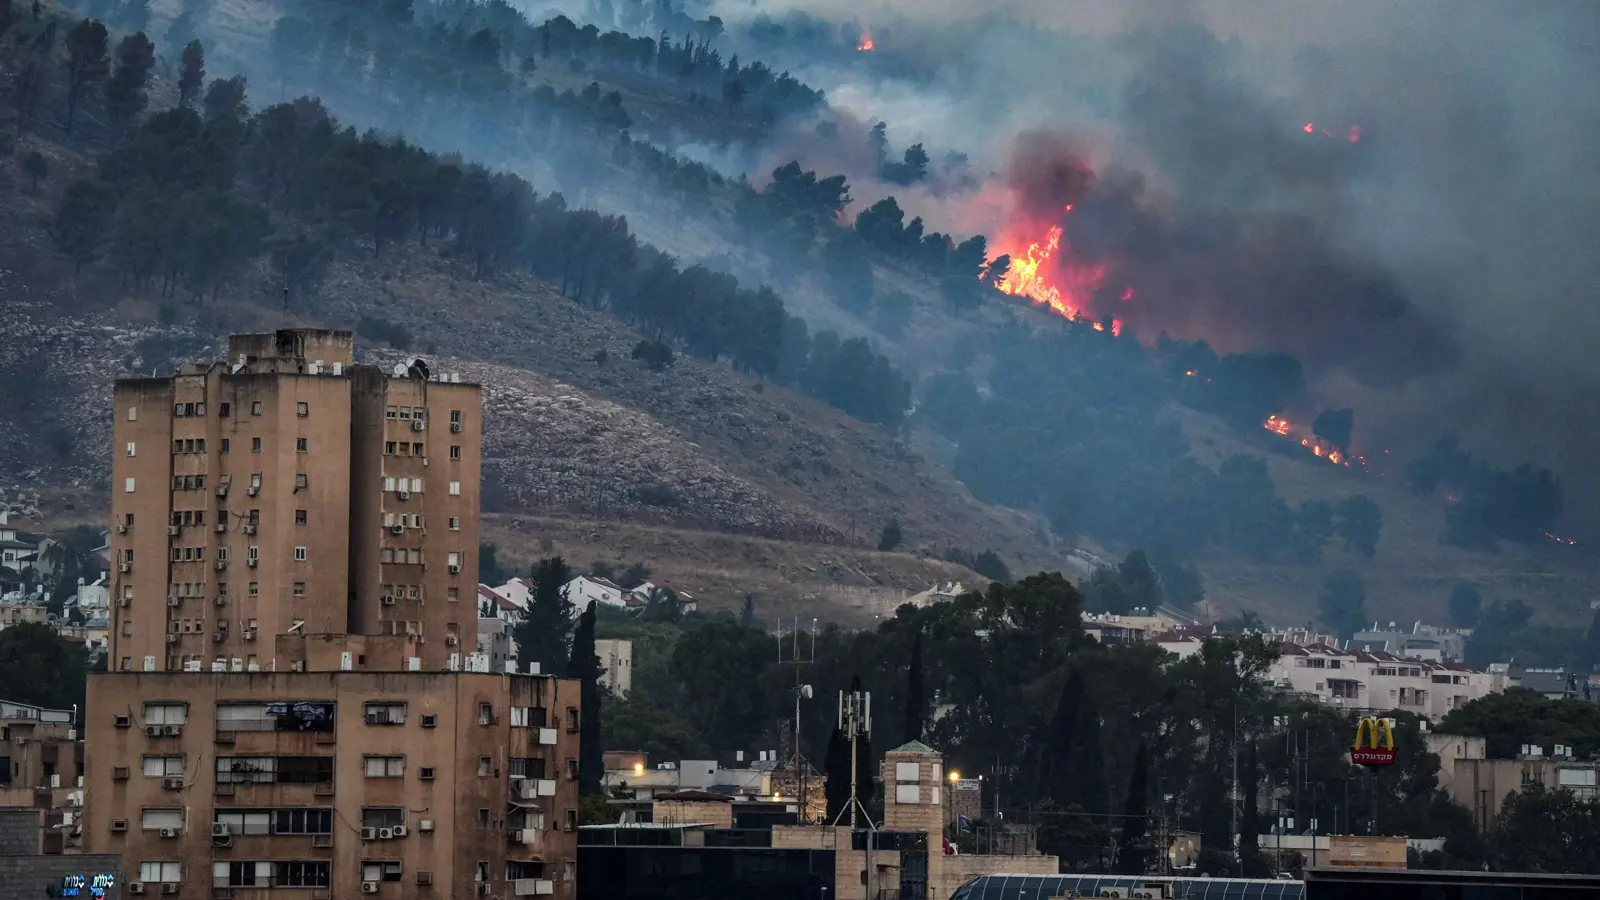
1561,540
1044,272
866,43
1278,425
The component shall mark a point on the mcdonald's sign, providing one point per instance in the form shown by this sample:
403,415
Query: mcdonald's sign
1374,743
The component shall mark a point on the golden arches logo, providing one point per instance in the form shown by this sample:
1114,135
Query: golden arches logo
1374,743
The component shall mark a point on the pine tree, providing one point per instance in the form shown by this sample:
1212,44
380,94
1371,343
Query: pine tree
193,74
1056,749
584,665
747,615
1132,854
128,92
914,693
541,636
88,62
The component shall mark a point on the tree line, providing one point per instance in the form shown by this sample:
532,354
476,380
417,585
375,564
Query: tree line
190,198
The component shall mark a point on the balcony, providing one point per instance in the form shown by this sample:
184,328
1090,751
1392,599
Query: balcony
532,788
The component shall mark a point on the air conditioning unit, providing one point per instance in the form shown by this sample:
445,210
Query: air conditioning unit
455,570
253,490
451,640
425,826
174,601
399,831
172,784
418,425
122,529
397,529
252,563
221,564
369,887
169,832
125,567
169,887
173,530
369,834
385,834
171,730
249,528
120,773
403,495
455,427
122,602
135,887
172,639
222,527
388,599
216,637
153,730
222,490
322,840
220,600
249,634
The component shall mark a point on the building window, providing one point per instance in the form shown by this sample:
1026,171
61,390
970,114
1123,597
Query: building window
380,712
155,819
132,450
255,407
485,767
455,523
133,414
255,445
452,595
384,766
166,713
416,485
455,488
224,410
455,417
388,412
244,821
483,817
419,413
453,559
127,485
253,554
569,819
302,409
382,816
255,589
572,718
299,554
300,482
302,821
485,714
572,769
300,517
388,448
163,872
455,452
163,767
300,445
299,588
223,448
385,870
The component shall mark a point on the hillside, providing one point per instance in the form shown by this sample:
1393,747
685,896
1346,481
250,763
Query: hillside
722,477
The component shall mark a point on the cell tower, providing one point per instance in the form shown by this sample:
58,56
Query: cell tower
855,722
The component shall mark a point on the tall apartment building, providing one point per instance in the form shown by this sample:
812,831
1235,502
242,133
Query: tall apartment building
294,700
323,784
41,767
288,490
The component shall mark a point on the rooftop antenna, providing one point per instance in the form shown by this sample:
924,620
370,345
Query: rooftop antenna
855,721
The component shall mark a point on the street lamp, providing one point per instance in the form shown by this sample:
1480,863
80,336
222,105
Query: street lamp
954,776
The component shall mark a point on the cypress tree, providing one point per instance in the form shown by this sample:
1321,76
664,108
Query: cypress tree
914,693
584,665
1132,854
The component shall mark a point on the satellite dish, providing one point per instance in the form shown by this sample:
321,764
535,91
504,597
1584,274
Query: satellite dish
805,691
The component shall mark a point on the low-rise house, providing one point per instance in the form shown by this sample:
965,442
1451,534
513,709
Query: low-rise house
639,596
587,589
948,590
1423,641
1551,683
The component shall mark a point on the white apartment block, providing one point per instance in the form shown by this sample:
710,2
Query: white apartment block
1363,680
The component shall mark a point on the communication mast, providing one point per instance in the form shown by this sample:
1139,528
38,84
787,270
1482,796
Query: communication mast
855,722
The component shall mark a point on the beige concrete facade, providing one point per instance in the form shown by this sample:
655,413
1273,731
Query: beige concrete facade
1482,785
41,759
400,784
269,493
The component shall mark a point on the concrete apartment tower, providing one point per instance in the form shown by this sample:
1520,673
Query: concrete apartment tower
293,701
287,490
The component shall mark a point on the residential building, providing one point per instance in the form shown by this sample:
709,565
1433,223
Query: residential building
495,644
518,591
948,590
494,605
1551,683
587,589
19,610
28,868
1423,641
41,766
288,490
640,596
705,844
1136,628
1362,680
1482,785
616,665
361,780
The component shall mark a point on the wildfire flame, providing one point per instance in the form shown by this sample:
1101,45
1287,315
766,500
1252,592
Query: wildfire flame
1043,271
1561,540
1322,450
1352,134
866,44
